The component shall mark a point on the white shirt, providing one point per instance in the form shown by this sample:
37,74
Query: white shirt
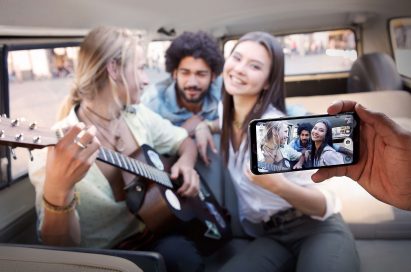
105,222
257,204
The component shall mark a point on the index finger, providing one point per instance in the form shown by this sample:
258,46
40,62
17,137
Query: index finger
71,134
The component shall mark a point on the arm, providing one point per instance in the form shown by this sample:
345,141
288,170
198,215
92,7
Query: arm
308,200
185,166
67,163
331,157
384,163
342,149
203,135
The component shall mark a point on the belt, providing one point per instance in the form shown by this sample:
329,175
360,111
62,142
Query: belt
283,217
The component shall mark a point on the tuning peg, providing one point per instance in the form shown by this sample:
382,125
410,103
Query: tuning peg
13,154
33,125
36,139
19,137
31,155
1,133
4,115
15,122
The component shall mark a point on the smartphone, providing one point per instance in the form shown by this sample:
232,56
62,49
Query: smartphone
306,142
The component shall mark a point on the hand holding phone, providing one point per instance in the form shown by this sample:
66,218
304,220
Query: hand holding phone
301,143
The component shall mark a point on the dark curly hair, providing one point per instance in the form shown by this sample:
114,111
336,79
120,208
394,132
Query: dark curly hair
198,45
304,126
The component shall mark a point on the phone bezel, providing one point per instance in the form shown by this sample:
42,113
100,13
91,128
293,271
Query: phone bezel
253,141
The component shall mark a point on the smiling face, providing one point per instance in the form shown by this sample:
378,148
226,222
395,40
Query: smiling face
246,70
304,137
193,77
318,132
283,134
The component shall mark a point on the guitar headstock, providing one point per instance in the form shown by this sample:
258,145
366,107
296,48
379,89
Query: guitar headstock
21,133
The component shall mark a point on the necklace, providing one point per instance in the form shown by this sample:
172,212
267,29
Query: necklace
100,116
272,152
118,143
237,124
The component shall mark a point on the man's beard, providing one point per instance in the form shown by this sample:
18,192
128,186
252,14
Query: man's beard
183,96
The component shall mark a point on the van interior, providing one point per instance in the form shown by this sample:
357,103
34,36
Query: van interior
358,50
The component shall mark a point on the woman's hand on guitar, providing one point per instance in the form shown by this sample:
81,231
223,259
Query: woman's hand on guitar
69,161
191,180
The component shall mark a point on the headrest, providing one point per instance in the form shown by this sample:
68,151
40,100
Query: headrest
373,72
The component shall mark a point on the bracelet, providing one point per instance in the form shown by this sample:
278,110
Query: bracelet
60,209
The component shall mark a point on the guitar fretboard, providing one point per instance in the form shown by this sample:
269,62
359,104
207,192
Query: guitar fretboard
134,166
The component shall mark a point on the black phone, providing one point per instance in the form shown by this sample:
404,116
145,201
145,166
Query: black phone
305,142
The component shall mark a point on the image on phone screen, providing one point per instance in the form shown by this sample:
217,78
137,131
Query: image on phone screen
301,143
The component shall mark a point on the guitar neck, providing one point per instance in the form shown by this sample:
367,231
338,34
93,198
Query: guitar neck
134,166
17,133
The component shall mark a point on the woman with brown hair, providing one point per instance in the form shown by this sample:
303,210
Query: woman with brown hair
295,225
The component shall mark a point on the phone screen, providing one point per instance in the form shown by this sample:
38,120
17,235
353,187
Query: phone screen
301,143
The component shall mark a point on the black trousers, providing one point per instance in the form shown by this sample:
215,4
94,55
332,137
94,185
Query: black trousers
179,253
303,245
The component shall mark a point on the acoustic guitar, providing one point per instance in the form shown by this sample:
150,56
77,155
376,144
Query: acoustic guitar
206,223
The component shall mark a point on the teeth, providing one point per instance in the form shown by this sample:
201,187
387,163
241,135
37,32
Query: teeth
236,80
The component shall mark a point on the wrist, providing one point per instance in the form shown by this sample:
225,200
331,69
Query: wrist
58,197
71,206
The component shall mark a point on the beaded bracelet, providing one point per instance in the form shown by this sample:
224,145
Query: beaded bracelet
60,209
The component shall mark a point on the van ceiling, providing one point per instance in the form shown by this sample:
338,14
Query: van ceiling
220,17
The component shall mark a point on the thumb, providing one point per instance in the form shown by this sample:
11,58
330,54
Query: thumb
320,175
212,146
174,172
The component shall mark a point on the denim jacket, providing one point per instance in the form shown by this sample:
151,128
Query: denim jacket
164,101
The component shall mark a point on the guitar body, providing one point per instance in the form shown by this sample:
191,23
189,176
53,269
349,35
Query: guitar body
162,209
150,194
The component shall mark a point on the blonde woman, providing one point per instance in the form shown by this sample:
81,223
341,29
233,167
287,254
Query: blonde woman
103,109
277,154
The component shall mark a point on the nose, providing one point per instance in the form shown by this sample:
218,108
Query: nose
239,67
192,80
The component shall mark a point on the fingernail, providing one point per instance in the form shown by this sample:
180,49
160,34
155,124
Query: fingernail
81,125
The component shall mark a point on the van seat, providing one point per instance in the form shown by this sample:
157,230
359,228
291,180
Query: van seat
374,72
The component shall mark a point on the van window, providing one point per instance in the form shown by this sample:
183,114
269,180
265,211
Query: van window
39,79
156,61
400,33
316,52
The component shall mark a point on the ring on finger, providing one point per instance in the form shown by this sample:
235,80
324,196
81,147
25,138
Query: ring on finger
80,144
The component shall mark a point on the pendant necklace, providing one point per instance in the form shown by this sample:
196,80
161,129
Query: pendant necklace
118,143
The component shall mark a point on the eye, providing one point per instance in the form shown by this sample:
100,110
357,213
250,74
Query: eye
255,66
202,75
236,57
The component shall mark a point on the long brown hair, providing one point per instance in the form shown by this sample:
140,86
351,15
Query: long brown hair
275,95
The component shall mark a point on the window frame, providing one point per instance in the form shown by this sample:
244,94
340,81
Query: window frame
404,77
8,44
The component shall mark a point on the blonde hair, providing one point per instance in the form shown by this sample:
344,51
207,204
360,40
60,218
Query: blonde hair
273,129
101,45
